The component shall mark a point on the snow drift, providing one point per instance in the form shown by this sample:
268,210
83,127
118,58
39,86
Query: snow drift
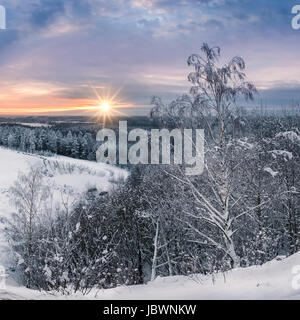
273,280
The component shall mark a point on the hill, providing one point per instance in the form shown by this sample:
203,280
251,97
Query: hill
68,178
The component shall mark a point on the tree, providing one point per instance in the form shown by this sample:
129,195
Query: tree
28,195
68,143
32,142
215,90
52,142
75,148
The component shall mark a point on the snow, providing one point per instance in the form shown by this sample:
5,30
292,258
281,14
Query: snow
271,172
63,172
286,154
278,279
34,125
289,135
245,144
68,178
274,280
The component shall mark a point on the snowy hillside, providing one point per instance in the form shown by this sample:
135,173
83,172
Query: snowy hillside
273,280
80,175
68,178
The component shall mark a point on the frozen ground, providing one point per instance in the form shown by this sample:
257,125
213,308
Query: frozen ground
273,280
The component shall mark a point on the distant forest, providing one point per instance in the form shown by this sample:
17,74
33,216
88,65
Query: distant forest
78,140
46,140
71,139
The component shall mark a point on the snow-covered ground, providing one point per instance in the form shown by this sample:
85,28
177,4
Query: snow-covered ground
68,179
273,280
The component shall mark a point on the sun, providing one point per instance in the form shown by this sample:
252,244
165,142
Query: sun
105,106
105,109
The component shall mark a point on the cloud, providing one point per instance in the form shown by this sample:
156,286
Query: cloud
8,37
141,45
46,12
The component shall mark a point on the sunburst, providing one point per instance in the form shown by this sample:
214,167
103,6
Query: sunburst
106,105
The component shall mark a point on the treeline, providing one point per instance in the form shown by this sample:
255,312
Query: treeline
46,140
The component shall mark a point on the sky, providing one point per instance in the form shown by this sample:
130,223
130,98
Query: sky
62,56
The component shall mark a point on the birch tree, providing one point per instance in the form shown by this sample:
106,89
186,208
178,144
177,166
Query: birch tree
214,92
28,195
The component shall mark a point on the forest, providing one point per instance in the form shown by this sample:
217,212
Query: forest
243,210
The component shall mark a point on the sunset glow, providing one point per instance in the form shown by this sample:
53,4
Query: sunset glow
36,100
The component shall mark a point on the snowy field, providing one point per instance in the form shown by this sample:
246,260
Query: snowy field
61,172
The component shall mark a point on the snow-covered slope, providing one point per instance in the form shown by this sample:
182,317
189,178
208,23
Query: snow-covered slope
273,280
66,176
